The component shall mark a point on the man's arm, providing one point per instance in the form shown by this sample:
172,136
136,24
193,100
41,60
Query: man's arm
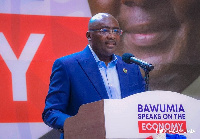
54,114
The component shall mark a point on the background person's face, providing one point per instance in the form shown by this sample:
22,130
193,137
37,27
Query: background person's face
163,32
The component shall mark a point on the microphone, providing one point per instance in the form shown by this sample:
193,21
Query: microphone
130,58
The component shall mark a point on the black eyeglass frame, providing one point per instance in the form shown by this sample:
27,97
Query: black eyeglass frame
107,31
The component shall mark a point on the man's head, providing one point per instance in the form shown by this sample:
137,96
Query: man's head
103,35
163,32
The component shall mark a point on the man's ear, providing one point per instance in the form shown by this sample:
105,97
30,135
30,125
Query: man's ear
88,35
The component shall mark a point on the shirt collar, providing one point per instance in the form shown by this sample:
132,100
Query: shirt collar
113,62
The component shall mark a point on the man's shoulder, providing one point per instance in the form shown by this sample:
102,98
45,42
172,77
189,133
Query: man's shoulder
69,57
73,57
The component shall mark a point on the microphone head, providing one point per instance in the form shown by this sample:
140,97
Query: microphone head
126,57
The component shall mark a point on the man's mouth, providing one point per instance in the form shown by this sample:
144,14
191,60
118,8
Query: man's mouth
110,43
148,34
147,39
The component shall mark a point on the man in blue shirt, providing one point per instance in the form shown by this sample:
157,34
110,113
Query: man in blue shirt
91,75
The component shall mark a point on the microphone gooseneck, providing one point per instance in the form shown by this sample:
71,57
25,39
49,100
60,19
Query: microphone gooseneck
130,58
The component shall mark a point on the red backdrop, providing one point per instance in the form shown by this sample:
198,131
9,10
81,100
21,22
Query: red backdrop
62,36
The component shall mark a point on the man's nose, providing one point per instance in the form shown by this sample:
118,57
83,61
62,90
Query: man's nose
111,35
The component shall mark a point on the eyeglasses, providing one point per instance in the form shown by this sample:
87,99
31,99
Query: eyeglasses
106,31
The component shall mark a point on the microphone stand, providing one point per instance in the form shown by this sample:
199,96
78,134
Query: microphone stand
146,78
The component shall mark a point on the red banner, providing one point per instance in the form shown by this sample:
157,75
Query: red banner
44,38
162,126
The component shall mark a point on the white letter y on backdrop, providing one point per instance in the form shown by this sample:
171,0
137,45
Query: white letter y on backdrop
19,67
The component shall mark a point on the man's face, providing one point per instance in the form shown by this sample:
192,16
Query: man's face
161,32
104,44
153,29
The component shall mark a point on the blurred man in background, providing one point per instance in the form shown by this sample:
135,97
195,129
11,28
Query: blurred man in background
165,33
